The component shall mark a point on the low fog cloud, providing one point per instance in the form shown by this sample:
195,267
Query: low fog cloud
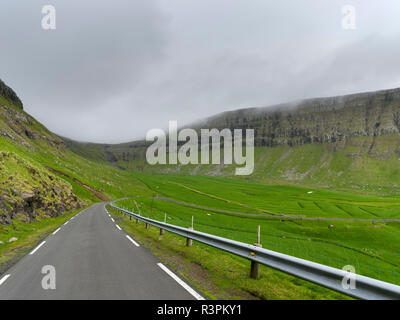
114,69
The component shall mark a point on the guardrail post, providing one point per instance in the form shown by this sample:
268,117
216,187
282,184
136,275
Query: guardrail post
255,266
189,242
165,221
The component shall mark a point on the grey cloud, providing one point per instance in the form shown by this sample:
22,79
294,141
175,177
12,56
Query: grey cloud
114,69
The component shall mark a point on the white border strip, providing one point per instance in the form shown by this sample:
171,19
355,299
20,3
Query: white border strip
56,231
112,219
37,248
133,241
182,283
119,228
2,280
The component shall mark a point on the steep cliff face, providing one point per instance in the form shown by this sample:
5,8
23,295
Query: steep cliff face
318,120
349,141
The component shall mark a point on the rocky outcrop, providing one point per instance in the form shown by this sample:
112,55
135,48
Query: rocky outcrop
318,120
10,95
28,192
24,129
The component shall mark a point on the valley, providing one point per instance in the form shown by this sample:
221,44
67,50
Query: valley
325,185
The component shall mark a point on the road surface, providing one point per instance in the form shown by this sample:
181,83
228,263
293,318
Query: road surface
93,258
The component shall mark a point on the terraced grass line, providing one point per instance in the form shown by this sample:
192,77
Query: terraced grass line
369,212
345,211
273,216
315,233
226,200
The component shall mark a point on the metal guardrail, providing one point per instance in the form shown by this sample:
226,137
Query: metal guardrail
365,287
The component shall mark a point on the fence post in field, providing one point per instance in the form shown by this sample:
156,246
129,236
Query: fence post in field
255,266
165,220
137,207
151,206
189,242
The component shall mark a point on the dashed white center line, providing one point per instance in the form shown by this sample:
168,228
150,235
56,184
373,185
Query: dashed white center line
56,231
37,248
182,283
119,228
133,241
2,280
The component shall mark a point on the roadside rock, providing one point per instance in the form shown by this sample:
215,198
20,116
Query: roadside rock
32,192
12,239
26,196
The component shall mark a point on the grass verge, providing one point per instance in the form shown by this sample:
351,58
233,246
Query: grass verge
217,274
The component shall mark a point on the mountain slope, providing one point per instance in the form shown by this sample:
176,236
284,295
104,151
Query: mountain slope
40,176
348,141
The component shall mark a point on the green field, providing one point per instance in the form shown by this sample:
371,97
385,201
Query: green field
363,244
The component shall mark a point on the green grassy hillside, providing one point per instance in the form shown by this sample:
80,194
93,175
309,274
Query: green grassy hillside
43,183
346,142
326,174
40,176
338,228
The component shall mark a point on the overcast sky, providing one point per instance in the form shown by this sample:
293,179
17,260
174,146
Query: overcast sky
114,69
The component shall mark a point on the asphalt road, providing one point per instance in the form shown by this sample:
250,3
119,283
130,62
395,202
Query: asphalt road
92,259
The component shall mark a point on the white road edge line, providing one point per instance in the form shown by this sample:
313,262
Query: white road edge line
119,228
112,220
56,231
182,283
66,223
133,241
36,249
2,280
